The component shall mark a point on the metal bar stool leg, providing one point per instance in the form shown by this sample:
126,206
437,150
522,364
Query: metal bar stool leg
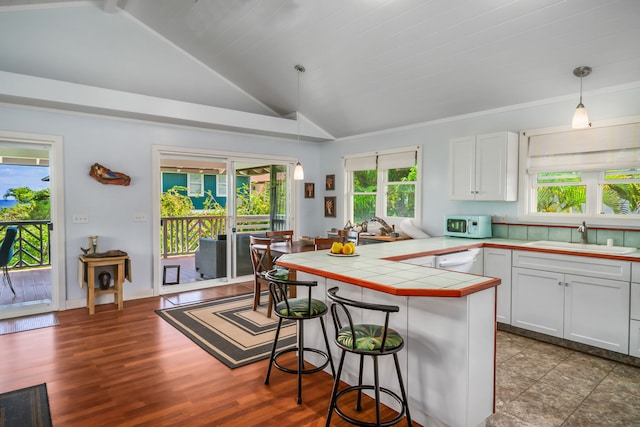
402,390
273,351
334,391
300,358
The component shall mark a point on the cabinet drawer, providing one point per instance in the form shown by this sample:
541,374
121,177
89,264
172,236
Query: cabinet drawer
583,266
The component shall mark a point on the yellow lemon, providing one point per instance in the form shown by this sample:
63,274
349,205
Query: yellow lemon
336,248
348,249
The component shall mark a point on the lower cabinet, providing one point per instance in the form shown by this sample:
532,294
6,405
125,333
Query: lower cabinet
497,263
588,310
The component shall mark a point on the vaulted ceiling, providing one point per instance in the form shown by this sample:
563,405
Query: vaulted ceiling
370,64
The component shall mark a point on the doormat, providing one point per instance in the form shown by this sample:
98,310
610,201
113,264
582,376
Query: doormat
27,323
25,407
229,329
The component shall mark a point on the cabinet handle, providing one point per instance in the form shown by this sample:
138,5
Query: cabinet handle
566,284
559,283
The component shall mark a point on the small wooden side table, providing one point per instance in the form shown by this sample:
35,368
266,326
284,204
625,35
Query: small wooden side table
122,270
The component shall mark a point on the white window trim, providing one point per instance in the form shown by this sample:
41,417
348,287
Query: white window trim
221,183
526,198
381,189
191,181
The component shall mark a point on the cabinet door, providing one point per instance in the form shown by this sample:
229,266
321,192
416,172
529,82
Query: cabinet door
462,161
496,166
597,312
537,301
634,338
497,263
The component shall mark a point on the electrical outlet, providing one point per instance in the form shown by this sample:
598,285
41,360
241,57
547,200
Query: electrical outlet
139,217
80,218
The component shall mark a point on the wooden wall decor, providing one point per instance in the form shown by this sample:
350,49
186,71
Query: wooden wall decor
107,176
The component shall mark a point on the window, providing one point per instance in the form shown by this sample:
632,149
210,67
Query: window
221,185
195,184
383,185
590,173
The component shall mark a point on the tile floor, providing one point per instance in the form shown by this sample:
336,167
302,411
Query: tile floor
540,384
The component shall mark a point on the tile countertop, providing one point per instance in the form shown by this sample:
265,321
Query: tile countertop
377,266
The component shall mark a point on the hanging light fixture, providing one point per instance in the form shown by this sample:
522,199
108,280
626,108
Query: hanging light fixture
580,117
298,172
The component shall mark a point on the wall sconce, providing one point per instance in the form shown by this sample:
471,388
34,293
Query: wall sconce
580,117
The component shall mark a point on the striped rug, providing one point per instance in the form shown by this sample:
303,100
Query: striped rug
229,329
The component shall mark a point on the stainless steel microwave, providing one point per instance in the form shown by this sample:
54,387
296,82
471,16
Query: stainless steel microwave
471,226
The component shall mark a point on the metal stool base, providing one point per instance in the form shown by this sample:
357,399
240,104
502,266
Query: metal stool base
362,423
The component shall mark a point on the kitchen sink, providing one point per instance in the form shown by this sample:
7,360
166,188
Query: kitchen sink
581,247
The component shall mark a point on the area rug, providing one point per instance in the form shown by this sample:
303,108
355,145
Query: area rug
230,330
21,324
25,407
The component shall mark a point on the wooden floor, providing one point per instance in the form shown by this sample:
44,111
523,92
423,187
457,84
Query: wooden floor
131,368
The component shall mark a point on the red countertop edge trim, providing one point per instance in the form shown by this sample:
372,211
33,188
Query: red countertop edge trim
450,293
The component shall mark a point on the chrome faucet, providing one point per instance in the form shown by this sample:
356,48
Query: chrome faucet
385,229
582,229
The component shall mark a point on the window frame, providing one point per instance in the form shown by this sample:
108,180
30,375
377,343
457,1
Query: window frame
221,183
593,179
383,184
191,182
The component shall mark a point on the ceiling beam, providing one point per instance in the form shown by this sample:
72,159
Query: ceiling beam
39,92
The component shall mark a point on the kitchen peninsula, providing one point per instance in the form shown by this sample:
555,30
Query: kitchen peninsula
446,317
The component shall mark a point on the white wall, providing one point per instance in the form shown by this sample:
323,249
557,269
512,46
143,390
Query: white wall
434,138
125,146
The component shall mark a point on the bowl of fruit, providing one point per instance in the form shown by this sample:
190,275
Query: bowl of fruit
339,249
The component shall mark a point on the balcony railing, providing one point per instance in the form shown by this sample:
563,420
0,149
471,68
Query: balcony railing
32,245
180,235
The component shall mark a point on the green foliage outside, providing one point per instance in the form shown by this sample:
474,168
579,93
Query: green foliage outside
400,196
33,205
364,205
621,198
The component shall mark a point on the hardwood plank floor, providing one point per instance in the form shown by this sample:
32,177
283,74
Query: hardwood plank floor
131,368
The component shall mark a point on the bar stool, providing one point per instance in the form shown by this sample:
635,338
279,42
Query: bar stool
299,309
365,340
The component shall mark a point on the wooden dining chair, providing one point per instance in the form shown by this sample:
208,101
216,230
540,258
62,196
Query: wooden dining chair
280,236
326,242
260,248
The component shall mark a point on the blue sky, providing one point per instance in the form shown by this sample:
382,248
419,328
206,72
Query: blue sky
22,176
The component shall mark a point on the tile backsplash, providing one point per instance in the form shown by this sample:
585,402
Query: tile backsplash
629,238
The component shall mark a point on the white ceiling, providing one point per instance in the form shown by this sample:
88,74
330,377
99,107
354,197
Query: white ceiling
371,64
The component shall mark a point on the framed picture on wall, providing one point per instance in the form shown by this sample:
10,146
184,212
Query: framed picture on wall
330,182
309,190
330,207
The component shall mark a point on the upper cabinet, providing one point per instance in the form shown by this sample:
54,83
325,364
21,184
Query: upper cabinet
484,167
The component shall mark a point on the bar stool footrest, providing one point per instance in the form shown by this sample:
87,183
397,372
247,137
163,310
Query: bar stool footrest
362,423
304,371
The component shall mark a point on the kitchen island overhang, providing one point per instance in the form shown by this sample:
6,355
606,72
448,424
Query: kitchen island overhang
447,318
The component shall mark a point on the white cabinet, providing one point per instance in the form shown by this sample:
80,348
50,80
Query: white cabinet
586,309
497,263
484,167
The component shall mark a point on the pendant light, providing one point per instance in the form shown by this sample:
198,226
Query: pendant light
298,173
580,117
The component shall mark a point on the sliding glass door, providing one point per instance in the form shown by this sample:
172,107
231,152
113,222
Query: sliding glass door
209,206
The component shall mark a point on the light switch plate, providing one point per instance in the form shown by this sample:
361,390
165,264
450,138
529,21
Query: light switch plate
139,217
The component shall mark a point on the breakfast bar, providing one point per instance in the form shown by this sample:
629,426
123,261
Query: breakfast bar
446,317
